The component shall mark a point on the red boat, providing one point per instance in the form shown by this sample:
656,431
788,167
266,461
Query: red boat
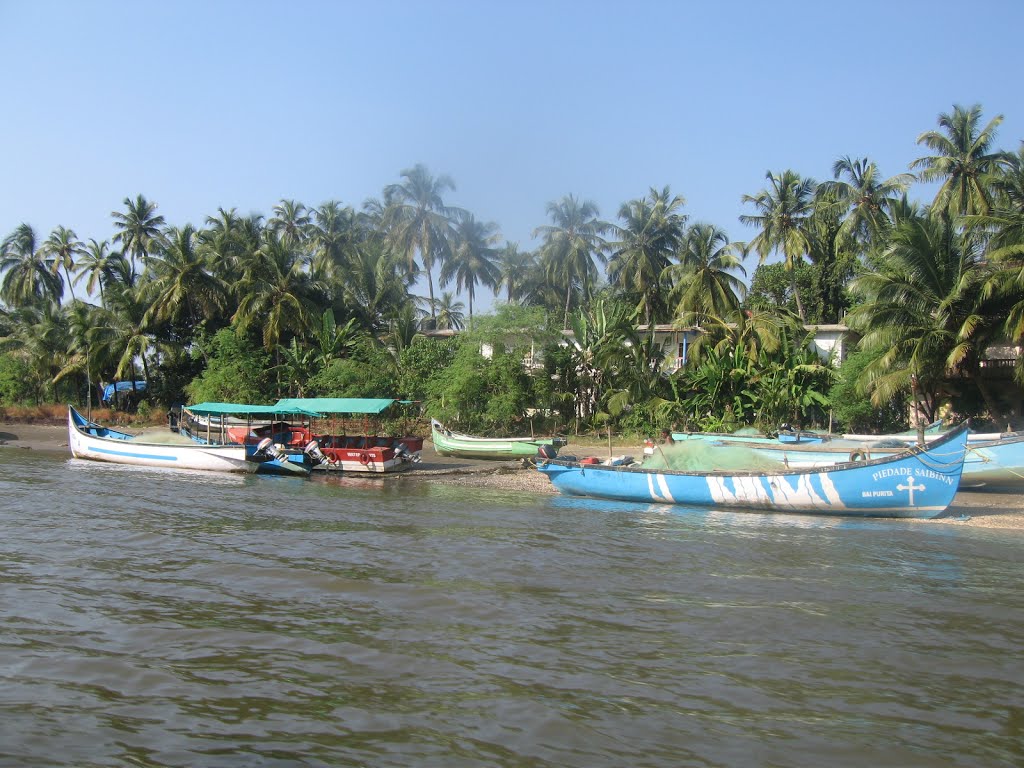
335,441
334,433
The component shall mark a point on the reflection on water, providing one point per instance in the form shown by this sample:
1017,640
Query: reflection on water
153,617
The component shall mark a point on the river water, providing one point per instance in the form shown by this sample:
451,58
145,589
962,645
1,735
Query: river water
155,618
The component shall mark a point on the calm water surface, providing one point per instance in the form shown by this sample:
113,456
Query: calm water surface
152,618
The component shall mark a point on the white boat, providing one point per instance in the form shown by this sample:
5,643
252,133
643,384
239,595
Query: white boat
89,440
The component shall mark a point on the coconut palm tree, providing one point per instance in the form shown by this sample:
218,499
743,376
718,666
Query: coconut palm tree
514,266
702,282
375,286
449,312
1004,227
224,241
41,339
277,293
649,239
63,246
138,229
333,234
181,289
94,266
290,222
863,197
417,221
120,341
29,277
920,313
963,161
782,210
473,257
570,245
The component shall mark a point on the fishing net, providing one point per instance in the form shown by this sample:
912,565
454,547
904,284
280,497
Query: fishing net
704,456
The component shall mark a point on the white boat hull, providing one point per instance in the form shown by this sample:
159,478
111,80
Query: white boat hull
117,450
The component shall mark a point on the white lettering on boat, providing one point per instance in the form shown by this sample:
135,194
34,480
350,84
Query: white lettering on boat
931,474
777,491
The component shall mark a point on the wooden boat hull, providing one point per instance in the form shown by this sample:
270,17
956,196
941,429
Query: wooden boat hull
449,443
98,443
918,483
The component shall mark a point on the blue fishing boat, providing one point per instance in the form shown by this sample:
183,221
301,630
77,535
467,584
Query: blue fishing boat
993,460
919,482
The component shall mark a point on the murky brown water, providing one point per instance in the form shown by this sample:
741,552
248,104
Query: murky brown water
153,618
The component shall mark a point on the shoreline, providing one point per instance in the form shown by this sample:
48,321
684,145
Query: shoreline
979,509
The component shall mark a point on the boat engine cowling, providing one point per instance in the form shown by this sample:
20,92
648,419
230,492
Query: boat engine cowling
267,447
547,451
312,449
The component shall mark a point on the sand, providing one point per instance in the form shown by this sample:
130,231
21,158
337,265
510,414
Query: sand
983,509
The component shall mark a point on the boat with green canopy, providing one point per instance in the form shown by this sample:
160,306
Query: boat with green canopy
266,428
347,434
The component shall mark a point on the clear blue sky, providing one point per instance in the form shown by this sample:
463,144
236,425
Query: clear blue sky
200,105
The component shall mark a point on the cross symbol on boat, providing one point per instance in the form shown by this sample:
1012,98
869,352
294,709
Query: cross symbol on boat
910,487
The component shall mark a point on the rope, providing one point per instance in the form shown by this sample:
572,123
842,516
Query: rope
989,460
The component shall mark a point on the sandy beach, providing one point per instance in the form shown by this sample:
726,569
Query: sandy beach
983,509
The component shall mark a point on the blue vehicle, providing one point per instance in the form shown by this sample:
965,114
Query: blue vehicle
915,483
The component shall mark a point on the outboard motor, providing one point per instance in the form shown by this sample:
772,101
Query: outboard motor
312,449
267,447
402,453
547,451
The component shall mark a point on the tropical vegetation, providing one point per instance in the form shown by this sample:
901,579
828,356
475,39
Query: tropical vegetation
323,301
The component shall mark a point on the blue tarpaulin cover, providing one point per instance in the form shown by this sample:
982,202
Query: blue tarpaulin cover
122,386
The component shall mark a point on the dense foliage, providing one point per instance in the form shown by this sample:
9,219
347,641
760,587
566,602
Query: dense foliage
318,301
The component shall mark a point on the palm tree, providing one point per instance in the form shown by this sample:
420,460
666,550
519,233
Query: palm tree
417,221
182,290
120,338
289,222
649,239
570,244
783,208
702,282
962,161
63,246
29,277
94,266
920,313
864,198
1004,225
138,228
473,258
333,234
41,339
449,312
514,266
225,240
376,285
277,293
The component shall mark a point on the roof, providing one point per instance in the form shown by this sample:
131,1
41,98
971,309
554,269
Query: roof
338,404
240,409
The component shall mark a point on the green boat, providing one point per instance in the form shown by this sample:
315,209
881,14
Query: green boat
448,443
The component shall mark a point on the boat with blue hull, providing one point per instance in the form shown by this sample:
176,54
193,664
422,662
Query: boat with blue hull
88,440
993,460
916,483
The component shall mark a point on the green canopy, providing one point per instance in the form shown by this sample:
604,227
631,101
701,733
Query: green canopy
240,409
365,405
